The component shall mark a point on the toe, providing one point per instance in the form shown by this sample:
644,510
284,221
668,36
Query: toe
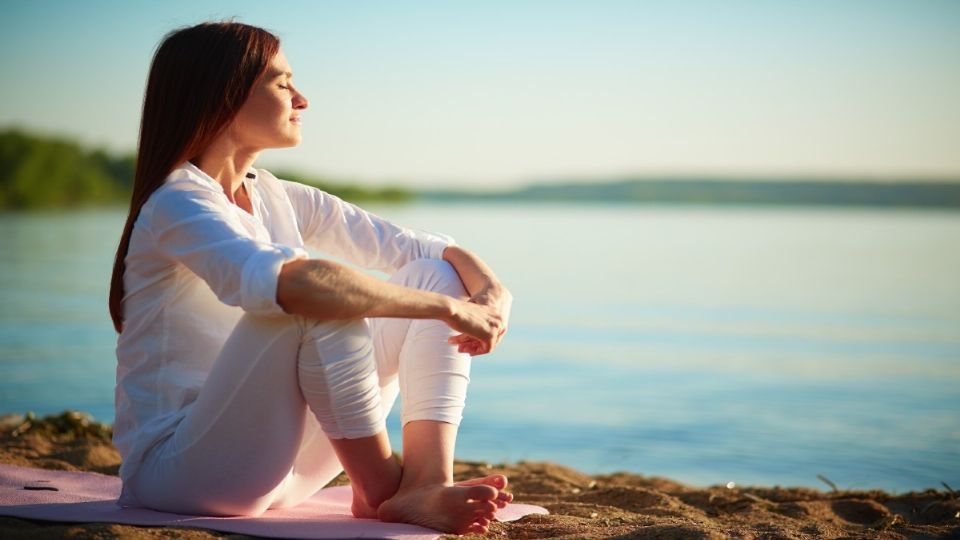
498,481
482,493
503,498
486,508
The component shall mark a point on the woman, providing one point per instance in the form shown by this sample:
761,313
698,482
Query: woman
250,375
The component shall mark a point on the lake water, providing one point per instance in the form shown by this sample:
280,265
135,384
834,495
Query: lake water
755,345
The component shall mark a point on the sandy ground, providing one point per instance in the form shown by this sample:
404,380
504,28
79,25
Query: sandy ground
622,505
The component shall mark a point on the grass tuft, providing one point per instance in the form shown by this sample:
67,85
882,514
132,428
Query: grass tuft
828,482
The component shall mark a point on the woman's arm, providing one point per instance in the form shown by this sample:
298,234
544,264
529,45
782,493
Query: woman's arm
350,233
325,290
484,289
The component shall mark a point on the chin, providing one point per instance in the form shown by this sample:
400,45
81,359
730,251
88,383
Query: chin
287,142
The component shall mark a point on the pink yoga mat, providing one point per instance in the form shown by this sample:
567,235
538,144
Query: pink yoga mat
83,497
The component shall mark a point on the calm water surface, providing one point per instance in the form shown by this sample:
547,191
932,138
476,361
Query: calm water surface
704,344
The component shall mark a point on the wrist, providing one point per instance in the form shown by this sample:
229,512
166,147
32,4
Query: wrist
446,308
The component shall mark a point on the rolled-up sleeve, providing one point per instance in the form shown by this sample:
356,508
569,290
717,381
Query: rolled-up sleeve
344,230
193,227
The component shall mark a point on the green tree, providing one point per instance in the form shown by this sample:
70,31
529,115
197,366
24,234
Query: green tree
46,172
51,172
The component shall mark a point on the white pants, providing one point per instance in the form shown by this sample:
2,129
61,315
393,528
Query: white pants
257,435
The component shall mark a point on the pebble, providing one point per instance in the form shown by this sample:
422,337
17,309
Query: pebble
11,421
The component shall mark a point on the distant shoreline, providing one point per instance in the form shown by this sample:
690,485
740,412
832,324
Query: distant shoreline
899,194
44,172
707,193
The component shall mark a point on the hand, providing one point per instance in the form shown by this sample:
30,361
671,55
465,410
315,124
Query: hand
499,305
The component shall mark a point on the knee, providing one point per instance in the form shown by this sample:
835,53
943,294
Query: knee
434,275
338,379
333,337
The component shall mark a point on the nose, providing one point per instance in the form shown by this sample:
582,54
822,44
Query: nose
300,101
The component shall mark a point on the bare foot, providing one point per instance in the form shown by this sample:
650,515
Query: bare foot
458,509
361,509
498,481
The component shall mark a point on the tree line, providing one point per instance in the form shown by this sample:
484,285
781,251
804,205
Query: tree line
44,172
54,172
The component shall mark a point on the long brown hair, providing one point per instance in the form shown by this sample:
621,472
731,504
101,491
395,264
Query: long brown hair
199,79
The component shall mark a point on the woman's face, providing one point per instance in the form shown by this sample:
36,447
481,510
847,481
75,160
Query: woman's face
270,118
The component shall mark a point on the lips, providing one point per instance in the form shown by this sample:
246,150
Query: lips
296,120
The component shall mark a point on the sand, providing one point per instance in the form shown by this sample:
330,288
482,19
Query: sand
622,505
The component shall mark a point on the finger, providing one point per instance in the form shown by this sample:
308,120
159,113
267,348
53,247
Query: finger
461,338
499,338
466,341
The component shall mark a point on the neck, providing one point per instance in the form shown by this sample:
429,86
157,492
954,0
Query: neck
227,164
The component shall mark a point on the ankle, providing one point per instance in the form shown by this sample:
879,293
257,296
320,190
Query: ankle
378,493
374,500
428,447
416,481
375,489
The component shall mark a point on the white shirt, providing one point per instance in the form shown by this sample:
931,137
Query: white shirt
197,261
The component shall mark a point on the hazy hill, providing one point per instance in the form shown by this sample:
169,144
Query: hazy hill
940,194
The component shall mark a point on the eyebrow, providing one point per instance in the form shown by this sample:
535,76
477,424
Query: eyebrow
275,74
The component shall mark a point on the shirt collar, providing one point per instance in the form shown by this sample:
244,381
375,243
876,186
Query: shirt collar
251,178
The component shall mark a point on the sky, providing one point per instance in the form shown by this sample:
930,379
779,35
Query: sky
496,94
